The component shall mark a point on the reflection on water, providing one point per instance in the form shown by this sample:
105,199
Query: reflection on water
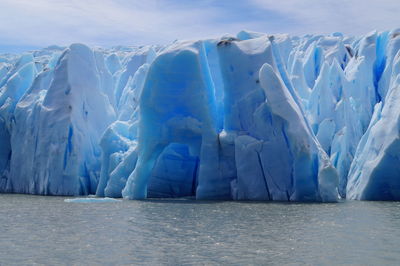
47,230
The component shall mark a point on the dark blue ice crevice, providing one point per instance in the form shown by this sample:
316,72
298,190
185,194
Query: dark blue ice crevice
318,59
263,175
69,146
84,180
195,176
312,64
214,70
290,149
380,62
70,134
5,156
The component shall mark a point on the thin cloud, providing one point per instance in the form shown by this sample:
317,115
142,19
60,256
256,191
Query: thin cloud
106,22
326,16
41,21
136,22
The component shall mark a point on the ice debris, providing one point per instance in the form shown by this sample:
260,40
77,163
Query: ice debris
91,200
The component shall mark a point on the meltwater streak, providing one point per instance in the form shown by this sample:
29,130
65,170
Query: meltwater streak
47,230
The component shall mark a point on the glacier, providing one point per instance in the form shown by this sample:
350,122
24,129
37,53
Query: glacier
251,116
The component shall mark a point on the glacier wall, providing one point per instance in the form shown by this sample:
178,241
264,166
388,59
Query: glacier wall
245,117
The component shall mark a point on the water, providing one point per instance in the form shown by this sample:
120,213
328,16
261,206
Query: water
47,230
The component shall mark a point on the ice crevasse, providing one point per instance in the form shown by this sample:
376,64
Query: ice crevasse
246,117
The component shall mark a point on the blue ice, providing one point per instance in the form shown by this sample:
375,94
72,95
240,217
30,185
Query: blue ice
251,116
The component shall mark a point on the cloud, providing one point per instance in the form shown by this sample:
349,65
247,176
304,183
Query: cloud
135,22
327,16
105,22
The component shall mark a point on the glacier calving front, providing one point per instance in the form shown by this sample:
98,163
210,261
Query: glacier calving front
246,117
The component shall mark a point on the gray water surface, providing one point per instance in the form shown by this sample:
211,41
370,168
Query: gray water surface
47,230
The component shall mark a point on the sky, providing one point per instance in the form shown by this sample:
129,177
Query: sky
31,24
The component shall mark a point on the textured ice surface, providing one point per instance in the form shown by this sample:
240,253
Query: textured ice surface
246,117
56,126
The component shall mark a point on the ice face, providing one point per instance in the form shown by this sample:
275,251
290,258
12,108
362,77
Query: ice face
375,171
309,173
176,106
245,117
56,126
185,133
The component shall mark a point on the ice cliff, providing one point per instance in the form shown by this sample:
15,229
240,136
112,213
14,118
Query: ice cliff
245,117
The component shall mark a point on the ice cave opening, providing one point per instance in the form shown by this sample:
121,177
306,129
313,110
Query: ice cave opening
175,173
